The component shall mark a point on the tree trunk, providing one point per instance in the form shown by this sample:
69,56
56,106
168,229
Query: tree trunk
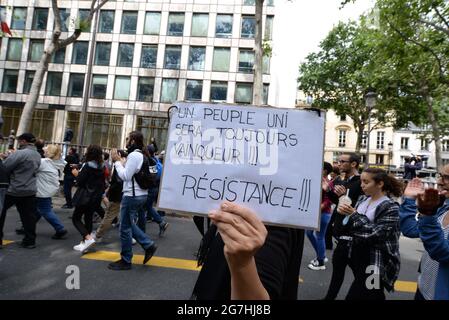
258,57
436,132
359,130
27,113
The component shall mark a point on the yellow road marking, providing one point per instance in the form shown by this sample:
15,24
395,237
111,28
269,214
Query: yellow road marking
138,259
405,286
184,264
6,242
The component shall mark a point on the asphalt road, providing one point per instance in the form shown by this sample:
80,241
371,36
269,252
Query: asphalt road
41,273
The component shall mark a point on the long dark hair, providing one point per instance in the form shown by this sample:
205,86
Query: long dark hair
138,143
94,153
391,185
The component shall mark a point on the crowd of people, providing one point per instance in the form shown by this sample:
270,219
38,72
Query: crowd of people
362,212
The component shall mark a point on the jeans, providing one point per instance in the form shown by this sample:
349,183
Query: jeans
318,238
131,211
152,197
27,210
69,182
45,209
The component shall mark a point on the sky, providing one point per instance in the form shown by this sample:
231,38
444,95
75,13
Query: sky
299,26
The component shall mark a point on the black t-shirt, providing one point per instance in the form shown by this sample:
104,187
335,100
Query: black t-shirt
278,263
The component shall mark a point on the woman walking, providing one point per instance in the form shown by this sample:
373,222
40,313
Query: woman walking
91,185
47,186
374,228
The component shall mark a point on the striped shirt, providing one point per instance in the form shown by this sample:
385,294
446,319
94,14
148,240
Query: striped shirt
427,280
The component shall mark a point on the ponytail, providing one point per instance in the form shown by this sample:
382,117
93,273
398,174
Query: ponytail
392,186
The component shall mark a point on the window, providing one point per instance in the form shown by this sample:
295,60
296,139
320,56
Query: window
152,23
425,144
270,3
125,55
149,56
129,22
54,81
58,56
380,140
64,13
79,55
76,85
19,17
29,77
99,86
342,138
379,159
122,87
83,15
364,139
248,27
268,34
40,19
145,89
14,49
200,24
343,117
196,58
244,93
265,64
172,57
101,129
41,123
362,158
176,24
103,53
152,127
266,87
218,91
36,50
106,23
169,92
194,90
404,143
445,145
249,2
246,60
223,26
10,78
221,59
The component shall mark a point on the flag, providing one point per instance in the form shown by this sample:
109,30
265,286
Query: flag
4,26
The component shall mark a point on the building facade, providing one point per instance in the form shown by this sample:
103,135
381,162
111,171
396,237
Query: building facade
146,55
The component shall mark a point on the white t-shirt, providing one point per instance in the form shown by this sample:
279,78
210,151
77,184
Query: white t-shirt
368,207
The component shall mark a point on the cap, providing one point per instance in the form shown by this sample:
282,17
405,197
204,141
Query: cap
28,137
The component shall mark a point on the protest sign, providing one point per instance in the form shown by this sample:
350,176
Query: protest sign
268,159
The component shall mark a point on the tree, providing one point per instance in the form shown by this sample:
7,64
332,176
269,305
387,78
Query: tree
258,56
341,73
55,44
415,49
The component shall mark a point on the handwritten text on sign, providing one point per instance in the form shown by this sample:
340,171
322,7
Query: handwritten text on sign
268,159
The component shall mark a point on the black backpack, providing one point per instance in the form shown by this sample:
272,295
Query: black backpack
145,178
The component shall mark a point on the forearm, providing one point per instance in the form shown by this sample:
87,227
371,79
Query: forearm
408,223
246,283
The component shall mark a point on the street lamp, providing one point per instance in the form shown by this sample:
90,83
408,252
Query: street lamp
370,102
390,155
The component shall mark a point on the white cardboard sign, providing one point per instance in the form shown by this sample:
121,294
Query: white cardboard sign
268,159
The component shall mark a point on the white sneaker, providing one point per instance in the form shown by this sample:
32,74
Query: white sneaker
79,246
315,261
87,244
134,241
316,267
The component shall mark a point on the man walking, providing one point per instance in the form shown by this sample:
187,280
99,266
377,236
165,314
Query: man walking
21,167
133,202
72,160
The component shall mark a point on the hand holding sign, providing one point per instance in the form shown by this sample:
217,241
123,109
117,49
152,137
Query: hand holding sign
242,232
